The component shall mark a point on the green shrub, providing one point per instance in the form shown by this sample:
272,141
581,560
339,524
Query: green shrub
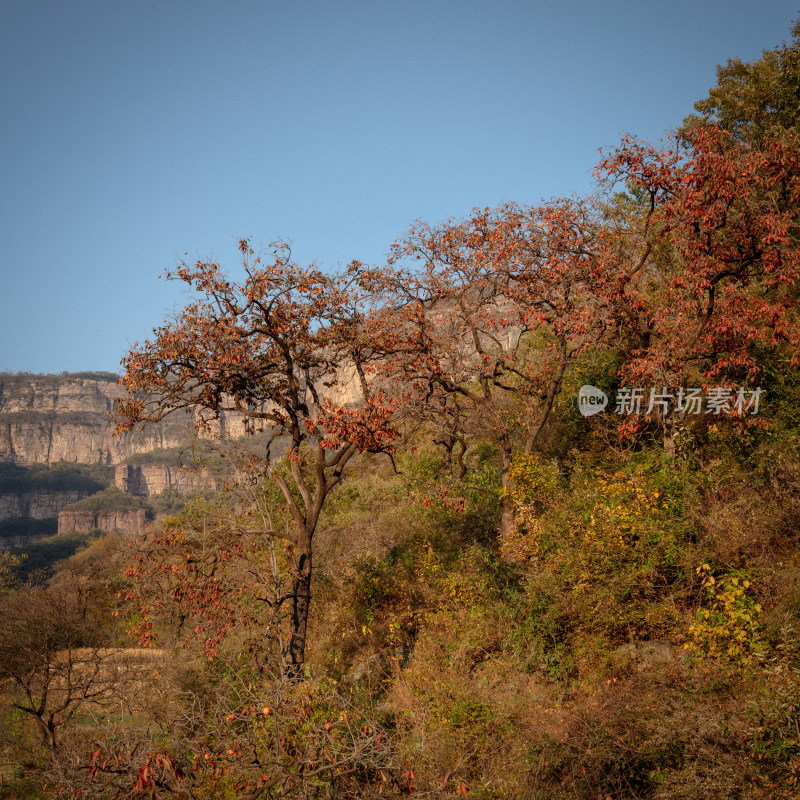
726,628
110,499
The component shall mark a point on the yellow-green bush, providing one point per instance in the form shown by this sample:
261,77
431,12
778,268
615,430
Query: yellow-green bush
726,629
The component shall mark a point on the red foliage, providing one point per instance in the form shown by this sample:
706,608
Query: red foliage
285,349
711,266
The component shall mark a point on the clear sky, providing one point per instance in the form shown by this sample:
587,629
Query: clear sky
134,132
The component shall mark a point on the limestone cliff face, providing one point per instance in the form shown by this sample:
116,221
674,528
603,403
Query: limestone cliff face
92,393
38,505
49,418
45,419
146,480
33,438
85,521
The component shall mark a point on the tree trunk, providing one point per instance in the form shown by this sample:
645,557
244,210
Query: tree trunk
462,467
448,443
295,655
47,731
506,505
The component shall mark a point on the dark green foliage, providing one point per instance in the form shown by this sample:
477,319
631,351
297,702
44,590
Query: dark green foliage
756,99
42,557
59,477
169,503
110,499
538,636
28,526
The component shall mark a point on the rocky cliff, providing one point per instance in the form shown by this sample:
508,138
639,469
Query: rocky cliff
49,418
85,521
45,419
37,505
87,392
147,480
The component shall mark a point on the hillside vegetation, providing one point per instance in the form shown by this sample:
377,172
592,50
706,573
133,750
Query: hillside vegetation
461,586
59,477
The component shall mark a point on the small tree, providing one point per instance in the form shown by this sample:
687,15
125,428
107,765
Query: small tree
252,736
57,656
281,348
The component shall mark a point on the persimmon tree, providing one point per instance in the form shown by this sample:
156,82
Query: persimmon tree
490,311
282,349
707,268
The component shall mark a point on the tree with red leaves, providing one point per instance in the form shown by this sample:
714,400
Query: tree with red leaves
282,349
490,311
707,272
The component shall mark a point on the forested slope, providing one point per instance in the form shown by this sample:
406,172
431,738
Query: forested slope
464,584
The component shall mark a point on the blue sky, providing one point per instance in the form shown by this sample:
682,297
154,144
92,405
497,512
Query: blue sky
135,132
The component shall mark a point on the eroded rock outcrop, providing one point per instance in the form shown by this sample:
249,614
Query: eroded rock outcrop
49,418
37,505
85,521
147,480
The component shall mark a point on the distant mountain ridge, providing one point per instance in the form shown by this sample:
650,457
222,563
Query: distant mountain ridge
45,419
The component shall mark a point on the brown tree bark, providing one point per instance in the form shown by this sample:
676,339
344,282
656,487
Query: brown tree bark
294,657
506,504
